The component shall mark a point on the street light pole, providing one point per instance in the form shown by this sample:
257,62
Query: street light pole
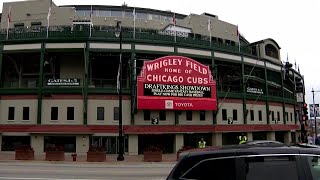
118,33
314,115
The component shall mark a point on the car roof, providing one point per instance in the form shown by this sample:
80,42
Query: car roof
256,149
263,142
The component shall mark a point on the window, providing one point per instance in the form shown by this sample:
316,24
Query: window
278,116
271,51
25,113
287,116
260,115
70,113
116,113
10,143
270,167
291,117
189,115
313,162
146,115
100,113
54,113
202,115
252,115
217,169
235,115
272,115
224,114
19,25
162,115
11,113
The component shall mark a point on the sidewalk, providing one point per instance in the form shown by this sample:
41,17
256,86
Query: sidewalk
10,156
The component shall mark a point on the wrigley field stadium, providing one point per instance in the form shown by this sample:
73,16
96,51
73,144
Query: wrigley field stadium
128,78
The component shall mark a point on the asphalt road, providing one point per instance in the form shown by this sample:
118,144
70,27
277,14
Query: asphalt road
83,171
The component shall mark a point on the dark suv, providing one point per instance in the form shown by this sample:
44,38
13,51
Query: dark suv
249,162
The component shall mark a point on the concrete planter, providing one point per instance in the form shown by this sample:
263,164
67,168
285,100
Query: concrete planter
152,156
54,155
24,155
96,156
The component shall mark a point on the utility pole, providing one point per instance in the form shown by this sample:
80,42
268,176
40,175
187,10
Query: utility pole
314,113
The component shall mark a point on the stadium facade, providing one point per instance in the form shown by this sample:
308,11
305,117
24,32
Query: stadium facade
183,77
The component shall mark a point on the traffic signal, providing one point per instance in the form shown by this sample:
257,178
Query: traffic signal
305,111
299,84
155,120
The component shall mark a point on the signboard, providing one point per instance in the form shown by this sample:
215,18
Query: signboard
311,110
176,83
63,82
300,97
254,90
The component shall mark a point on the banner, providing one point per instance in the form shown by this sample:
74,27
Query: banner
311,110
176,83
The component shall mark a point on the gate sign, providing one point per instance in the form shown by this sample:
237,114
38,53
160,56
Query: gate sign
176,83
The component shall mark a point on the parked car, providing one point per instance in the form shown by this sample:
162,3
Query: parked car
249,162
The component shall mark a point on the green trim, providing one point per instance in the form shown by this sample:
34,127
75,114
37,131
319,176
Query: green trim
213,72
39,110
244,99
1,59
85,88
283,100
19,91
267,92
106,91
254,97
22,51
176,117
60,90
133,83
230,95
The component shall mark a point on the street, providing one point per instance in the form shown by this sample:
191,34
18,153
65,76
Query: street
84,171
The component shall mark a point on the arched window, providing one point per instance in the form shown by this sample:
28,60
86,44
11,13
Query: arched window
271,51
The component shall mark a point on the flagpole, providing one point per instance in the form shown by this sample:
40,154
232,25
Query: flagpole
238,34
209,28
9,19
48,17
134,23
91,12
174,24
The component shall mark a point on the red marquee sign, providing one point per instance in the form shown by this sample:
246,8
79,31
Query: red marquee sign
176,83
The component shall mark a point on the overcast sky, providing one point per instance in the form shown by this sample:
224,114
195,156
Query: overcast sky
293,24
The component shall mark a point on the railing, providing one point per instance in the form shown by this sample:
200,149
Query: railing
275,93
230,88
106,32
107,83
22,83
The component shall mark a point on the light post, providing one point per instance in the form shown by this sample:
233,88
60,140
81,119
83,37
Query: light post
118,34
314,114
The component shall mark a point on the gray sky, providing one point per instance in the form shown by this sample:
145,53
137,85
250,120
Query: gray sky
294,24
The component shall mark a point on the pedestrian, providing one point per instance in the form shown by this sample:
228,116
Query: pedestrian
202,143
